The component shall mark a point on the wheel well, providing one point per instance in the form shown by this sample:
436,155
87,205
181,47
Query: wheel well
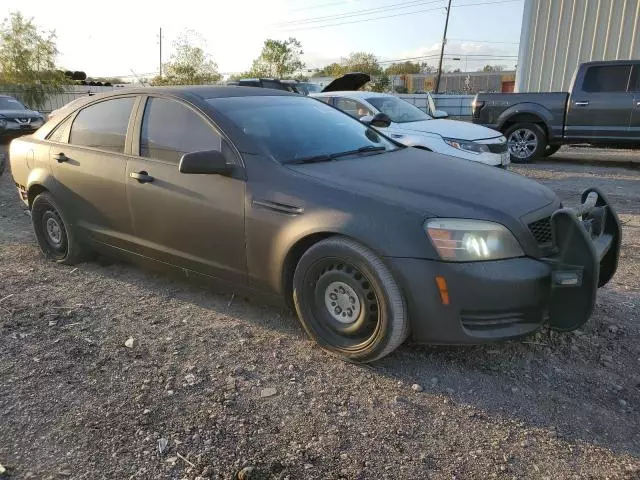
293,257
525,118
33,192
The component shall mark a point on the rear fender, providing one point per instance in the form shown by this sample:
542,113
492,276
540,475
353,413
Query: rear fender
526,110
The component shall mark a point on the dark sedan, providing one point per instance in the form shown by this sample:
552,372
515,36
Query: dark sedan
278,194
16,119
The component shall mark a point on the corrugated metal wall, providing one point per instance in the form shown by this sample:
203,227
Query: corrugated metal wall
558,35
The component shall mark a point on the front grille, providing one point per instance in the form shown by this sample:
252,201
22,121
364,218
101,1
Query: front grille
497,147
541,230
500,324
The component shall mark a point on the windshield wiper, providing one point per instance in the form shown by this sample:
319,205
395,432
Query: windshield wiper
327,157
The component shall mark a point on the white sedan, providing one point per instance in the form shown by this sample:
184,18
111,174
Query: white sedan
413,127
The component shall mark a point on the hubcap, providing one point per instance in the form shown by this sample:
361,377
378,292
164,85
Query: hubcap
342,302
522,143
54,231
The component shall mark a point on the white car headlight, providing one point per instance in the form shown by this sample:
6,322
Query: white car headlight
460,240
466,145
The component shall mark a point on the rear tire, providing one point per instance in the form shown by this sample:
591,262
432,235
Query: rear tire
526,142
57,240
348,301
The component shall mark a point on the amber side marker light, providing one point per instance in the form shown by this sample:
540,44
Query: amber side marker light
444,293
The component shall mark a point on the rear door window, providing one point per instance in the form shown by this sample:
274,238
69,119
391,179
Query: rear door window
103,125
607,78
634,84
170,129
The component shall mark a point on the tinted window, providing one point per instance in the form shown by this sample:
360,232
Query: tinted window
274,84
612,78
324,99
290,128
61,132
400,111
634,85
352,107
103,125
170,129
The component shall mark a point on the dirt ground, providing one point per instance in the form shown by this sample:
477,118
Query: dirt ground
214,385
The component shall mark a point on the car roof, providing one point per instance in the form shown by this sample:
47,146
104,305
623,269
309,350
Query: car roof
363,94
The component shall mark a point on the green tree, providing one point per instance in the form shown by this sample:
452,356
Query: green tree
188,65
331,70
279,59
426,68
27,60
403,68
361,62
381,84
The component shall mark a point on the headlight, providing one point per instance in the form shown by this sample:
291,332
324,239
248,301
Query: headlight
466,145
459,240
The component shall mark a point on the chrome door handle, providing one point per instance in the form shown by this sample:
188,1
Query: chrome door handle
581,104
638,104
142,177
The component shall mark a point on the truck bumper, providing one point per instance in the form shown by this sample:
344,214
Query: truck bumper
497,300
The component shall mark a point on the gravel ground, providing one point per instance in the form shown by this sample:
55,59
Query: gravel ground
111,371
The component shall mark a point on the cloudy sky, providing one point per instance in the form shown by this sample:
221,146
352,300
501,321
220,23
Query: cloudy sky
116,37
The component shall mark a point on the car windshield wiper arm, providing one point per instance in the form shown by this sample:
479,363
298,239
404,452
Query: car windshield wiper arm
327,157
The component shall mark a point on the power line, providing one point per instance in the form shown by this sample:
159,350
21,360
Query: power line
356,13
396,15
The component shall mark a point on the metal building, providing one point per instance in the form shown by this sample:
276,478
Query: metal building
558,35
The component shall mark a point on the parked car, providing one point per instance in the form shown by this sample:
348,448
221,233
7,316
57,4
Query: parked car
278,194
16,119
602,108
411,126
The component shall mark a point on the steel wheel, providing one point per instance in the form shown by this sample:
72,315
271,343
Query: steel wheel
348,301
56,240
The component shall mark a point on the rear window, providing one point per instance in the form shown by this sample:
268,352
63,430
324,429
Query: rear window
607,78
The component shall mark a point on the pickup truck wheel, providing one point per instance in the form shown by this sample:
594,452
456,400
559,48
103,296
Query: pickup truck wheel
348,301
550,150
526,141
57,241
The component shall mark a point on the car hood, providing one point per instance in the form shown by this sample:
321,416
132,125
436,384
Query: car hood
448,129
19,114
348,82
435,185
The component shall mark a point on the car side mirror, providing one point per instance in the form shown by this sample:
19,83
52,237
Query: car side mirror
210,162
440,114
380,120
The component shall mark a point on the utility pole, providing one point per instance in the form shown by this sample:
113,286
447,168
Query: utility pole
444,40
160,52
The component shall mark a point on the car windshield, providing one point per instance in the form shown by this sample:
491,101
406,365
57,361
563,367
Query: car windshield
8,103
400,111
294,129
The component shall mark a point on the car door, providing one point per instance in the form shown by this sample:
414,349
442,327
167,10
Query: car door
87,155
599,105
634,88
188,220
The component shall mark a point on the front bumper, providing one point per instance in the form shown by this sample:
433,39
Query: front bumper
504,299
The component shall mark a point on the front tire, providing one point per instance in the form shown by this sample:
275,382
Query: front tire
55,238
348,301
526,142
